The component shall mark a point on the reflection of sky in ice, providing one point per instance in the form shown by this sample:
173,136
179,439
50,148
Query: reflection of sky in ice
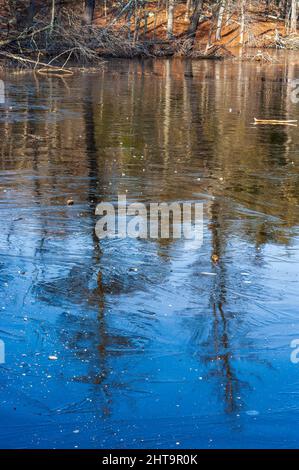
157,346
160,304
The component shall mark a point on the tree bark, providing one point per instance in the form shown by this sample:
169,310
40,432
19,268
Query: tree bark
31,12
242,25
25,18
294,16
170,19
188,9
88,14
195,19
220,19
53,8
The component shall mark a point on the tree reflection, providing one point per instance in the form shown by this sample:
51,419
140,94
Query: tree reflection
170,131
223,356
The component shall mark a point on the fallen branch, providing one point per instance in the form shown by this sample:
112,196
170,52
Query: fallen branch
292,122
56,72
48,67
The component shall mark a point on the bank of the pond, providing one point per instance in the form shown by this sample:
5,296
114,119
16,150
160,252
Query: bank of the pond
67,40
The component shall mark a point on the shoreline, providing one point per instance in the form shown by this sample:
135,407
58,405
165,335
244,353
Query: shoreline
252,56
65,41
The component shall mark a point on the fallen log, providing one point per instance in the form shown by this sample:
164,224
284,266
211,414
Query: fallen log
55,72
291,122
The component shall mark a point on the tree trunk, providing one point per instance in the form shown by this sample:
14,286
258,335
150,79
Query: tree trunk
52,15
195,19
25,18
89,7
220,19
31,12
242,25
294,16
188,9
170,18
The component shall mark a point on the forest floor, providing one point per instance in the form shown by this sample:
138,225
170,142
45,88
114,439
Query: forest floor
261,30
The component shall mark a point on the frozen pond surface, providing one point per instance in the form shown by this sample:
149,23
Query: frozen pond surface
156,345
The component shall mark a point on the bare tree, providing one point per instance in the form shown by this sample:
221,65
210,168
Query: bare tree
25,17
170,18
53,8
31,11
188,9
89,7
195,19
294,16
242,25
220,19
